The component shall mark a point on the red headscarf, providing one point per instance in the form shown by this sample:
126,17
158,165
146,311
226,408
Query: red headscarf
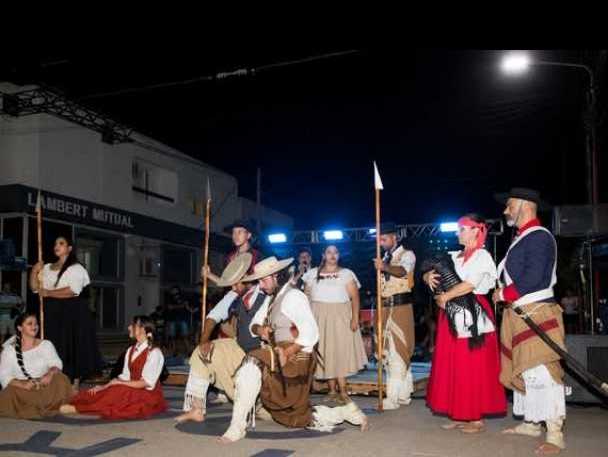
481,235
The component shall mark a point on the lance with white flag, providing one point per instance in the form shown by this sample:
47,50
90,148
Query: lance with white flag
205,258
379,309
40,284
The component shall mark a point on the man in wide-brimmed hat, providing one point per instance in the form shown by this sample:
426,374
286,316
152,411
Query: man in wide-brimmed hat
242,231
529,366
215,362
281,372
397,280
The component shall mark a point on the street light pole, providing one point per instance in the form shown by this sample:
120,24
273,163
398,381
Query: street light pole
590,137
518,63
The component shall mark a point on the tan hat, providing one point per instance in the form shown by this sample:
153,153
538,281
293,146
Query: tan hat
267,267
235,270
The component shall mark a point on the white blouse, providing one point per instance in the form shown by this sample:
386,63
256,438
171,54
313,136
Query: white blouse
37,361
152,368
480,272
75,277
331,287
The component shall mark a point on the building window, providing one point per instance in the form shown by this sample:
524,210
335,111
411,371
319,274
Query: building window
177,265
148,256
155,184
148,267
13,230
11,280
107,305
101,254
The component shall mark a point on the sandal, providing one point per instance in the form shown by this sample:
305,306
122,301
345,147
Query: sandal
453,425
473,427
547,449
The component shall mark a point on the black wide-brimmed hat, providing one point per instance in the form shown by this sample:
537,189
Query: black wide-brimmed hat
387,228
523,193
244,223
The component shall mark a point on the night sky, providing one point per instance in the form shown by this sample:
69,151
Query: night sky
446,128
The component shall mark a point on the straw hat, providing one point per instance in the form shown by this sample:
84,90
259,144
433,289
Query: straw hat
267,267
235,270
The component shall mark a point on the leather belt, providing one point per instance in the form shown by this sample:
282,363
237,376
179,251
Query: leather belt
398,299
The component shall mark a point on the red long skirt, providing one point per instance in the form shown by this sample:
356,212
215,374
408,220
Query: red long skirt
464,383
121,402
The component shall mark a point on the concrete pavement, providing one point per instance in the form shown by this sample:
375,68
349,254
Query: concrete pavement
410,431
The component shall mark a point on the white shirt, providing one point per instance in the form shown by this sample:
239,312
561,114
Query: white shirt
152,368
480,272
331,288
75,277
37,361
219,313
297,309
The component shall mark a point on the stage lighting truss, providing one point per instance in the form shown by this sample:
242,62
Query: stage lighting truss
44,101
366,234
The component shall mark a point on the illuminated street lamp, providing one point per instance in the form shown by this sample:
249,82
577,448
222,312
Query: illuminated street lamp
517,63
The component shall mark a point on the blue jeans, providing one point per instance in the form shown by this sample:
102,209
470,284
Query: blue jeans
172,326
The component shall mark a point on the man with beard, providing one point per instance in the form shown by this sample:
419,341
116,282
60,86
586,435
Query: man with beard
397,281
281,372
529,366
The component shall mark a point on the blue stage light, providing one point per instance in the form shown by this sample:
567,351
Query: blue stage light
277,238
448,227
333,235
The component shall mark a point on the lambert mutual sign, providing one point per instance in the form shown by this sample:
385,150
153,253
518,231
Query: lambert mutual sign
80,210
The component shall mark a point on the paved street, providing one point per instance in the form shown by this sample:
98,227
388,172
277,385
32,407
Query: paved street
411,431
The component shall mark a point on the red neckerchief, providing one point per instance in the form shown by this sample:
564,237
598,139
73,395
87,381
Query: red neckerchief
247,299
530,224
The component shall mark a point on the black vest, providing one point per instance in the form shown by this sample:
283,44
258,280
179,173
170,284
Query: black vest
243,319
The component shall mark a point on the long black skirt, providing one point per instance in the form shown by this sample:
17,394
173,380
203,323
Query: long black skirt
69,325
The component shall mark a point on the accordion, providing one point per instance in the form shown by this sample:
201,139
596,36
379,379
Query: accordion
459,307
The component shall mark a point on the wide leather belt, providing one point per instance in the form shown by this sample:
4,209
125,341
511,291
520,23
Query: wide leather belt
398,299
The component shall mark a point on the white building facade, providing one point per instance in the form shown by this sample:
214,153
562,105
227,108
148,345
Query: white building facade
134,210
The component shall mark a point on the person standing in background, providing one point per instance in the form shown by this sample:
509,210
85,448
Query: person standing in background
296,272
570,304
334,294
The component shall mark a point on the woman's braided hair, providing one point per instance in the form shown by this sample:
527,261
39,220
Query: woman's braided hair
18,323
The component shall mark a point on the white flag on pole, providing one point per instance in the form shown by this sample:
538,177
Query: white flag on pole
208,189
377,180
